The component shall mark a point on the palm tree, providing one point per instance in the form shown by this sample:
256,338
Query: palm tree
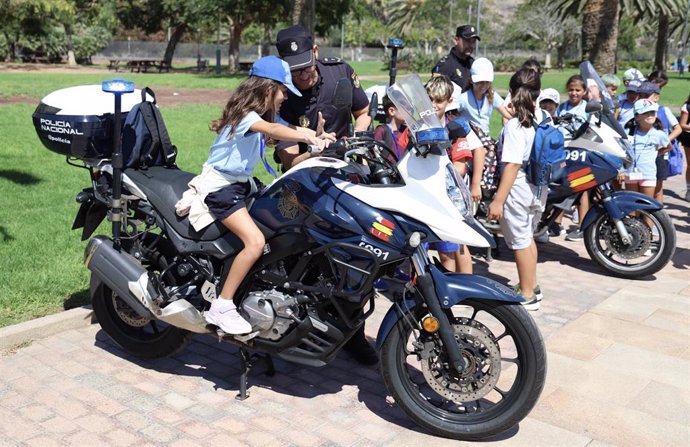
600,19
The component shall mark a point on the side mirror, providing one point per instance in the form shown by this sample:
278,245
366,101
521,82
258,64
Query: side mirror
342,96
373,109
593,106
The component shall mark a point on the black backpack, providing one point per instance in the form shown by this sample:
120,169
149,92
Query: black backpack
145,139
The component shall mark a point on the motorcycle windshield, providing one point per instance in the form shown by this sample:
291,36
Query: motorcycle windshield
412,100
589,74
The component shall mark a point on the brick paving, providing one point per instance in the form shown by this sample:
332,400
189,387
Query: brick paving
619,362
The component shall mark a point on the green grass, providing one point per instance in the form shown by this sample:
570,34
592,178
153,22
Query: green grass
37,85
41,270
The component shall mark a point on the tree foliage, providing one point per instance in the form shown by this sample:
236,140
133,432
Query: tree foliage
600,24
542,26
51,28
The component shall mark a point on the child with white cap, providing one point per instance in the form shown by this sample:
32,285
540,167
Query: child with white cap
548,101
646,144
480,100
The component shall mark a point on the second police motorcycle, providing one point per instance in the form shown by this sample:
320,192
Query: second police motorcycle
458,353
627,233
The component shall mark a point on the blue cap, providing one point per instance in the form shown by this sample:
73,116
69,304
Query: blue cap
644,106
647,88
633,86
272,67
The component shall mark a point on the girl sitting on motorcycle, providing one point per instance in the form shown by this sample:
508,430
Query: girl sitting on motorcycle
240,144
516,204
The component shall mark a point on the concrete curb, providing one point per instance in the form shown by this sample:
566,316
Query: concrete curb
19,334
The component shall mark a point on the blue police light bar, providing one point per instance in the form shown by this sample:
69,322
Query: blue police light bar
117,86
435,135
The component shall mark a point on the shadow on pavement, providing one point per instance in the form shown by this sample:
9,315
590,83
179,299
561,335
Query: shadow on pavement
219,363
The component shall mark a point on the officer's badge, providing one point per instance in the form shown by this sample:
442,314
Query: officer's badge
458,72
293,46
355,80
304,121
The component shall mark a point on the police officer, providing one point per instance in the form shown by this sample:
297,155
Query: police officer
457,63
316,79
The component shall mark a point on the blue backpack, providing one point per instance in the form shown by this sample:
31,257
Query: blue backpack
675,157
546,163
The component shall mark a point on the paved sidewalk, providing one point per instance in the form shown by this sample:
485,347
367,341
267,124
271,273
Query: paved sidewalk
619,374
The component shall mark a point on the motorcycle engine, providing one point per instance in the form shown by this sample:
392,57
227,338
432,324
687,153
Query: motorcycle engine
269,312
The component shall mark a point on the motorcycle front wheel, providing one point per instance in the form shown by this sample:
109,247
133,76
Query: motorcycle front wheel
653,242
141,337
506,359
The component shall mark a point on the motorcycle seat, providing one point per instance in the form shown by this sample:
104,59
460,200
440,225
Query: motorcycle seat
163,188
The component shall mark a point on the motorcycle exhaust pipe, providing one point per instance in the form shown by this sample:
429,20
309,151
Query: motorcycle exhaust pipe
122,274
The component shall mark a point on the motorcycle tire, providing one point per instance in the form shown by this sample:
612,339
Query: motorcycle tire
437,400
650,262
141,337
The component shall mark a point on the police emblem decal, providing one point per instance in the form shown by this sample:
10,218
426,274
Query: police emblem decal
293,46
288,203
304,121
355,80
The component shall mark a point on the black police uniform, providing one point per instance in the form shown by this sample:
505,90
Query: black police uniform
458,70
303,111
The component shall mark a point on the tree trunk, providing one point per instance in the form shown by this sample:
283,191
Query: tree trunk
71,60
236,28
9,57
661,43
600,34
266,41
178,31
297,8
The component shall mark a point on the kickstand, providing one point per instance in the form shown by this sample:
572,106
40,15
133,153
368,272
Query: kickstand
246,362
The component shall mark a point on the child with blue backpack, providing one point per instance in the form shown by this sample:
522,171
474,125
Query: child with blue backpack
518,204
647,143
651,90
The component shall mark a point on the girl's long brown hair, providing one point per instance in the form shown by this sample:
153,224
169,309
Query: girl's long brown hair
525,87
253,94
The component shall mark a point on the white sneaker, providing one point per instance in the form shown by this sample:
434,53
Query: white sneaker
223,313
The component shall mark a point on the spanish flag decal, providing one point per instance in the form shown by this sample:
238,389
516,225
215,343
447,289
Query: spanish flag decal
581,179
382,228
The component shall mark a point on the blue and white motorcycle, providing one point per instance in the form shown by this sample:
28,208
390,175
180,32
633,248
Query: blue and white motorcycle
458,353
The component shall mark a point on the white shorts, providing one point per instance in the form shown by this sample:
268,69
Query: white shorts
519,217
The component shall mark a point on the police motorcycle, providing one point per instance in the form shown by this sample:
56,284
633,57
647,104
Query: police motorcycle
458,353
627,233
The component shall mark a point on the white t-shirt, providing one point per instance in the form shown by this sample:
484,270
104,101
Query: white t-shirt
517,142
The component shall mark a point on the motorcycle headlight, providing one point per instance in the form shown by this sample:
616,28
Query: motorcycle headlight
458,192
627,148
